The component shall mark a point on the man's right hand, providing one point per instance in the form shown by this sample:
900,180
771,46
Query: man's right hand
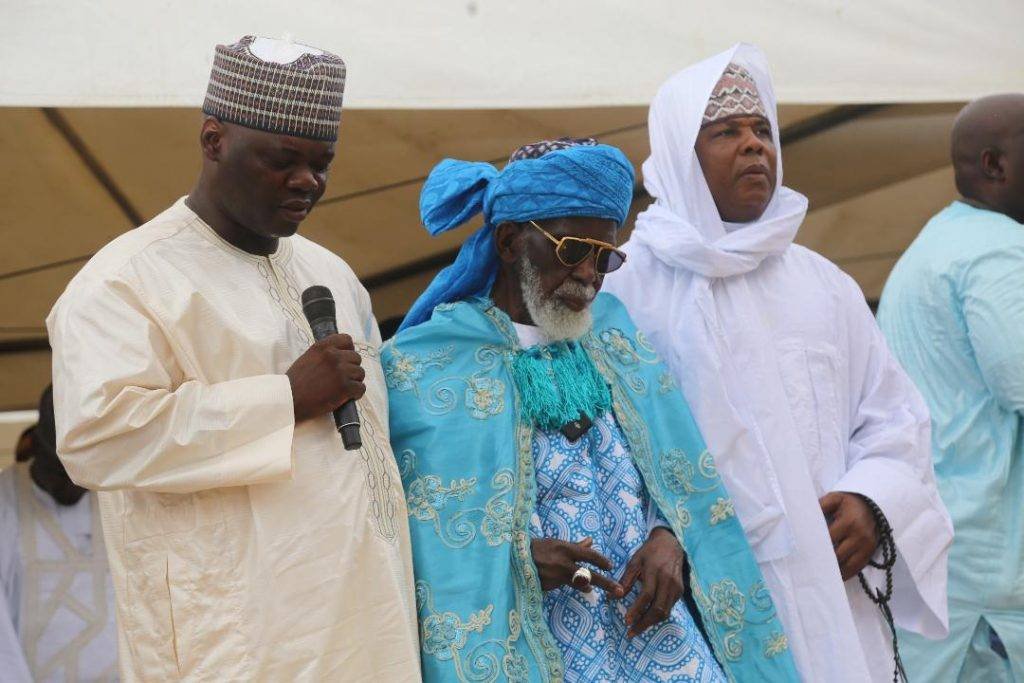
557,561
328,374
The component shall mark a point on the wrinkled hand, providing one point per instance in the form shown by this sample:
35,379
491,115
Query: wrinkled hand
658,565
558,560
852,528
328,374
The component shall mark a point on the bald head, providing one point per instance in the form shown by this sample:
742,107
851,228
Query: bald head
988,153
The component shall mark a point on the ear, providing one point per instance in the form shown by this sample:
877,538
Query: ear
507,240
24,450
993,164
211,138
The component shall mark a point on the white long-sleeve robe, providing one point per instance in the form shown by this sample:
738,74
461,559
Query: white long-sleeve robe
241,546
792,386
864,429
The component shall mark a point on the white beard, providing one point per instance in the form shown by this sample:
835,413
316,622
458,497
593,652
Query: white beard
557,322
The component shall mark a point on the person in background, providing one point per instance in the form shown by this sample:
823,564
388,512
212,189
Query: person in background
953,312
555,480
246,542
57,604
819,435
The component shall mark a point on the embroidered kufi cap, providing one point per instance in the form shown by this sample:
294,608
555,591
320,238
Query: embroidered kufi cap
538,149
277,86
735,94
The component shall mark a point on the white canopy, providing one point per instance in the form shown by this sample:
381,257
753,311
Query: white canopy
514,54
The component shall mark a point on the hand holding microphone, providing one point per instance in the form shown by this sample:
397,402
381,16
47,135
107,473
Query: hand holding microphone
329,376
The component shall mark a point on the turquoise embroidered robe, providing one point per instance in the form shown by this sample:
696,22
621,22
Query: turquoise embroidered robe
467,468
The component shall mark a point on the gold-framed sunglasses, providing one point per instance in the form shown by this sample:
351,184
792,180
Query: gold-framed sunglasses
572,251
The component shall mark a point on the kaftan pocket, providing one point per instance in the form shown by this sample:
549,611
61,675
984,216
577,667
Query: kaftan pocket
149,620
185,602
810,374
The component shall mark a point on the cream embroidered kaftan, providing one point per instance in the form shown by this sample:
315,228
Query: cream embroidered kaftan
242,546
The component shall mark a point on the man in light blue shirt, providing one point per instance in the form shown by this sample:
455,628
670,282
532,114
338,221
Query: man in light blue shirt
953,312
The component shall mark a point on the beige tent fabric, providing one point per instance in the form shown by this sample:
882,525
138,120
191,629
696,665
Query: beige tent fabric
56,211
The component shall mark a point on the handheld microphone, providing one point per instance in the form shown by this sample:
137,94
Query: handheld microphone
318,306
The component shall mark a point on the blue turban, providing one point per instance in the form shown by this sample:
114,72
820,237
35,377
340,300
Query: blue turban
589,181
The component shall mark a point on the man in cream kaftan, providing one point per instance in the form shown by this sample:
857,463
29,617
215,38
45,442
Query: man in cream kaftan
245,542
787,375
241,544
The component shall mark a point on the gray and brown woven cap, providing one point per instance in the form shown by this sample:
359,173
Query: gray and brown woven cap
300,98
735,94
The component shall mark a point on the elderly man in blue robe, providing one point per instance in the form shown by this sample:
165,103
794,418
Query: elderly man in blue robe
557,485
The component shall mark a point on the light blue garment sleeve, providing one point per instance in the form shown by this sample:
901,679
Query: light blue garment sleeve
992,297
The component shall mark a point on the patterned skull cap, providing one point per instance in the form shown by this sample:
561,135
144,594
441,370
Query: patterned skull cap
539,149
735,94
277,86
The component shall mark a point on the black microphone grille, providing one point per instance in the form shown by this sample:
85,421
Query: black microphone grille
318,302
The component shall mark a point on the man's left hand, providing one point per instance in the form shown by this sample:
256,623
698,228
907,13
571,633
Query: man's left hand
658,565
852,528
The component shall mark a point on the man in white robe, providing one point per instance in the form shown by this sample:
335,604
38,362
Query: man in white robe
810,419
245,542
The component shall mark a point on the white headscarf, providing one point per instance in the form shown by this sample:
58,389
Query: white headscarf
683,227
684,230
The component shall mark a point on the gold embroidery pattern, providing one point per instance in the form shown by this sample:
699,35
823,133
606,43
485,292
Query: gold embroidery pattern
721,511
291,310
444,635
776,645
427,497
378,466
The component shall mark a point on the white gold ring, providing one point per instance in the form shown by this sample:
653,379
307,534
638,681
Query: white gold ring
582,578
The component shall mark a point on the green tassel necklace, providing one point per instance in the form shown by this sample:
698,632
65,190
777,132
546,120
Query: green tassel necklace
558,383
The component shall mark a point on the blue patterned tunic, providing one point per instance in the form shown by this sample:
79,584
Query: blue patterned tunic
592,488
